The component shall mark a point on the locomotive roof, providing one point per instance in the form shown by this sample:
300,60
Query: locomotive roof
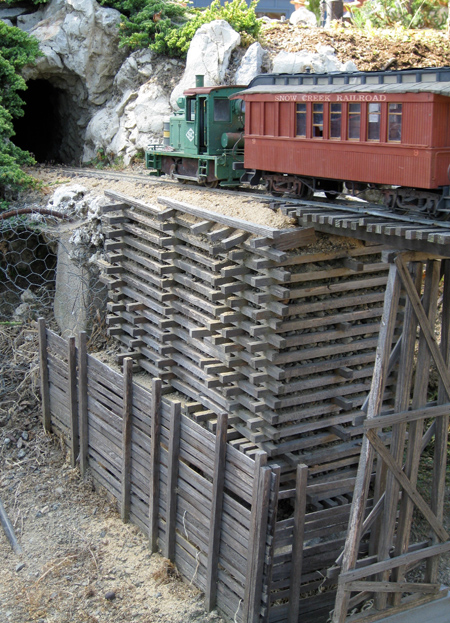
207,90
441,88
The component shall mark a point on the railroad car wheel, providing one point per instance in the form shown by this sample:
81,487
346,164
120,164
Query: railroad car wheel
270,185
211,183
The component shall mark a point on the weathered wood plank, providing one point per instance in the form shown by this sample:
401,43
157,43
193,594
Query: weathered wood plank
82,402
260,508
154,494
297,543
43,367
73,401
216,512
174,450
441,425
126,439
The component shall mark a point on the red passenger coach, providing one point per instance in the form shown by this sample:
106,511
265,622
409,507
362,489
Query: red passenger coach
383,128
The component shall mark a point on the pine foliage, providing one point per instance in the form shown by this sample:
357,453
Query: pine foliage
17,49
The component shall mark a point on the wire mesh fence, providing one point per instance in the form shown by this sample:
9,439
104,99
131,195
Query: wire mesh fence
47,268
28,254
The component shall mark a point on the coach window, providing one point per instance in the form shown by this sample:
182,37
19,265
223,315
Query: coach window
354,121
374,122
317,121
395,123
301,120
335,120
221,110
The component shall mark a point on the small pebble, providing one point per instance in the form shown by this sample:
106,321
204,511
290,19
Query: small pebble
110,595
21,454
20,566
7,441
25,436
102,534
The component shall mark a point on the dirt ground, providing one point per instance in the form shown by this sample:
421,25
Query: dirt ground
369,50
80,563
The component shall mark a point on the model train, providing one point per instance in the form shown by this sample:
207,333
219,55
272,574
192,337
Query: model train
302,133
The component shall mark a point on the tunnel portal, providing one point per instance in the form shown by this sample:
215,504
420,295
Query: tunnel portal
49,127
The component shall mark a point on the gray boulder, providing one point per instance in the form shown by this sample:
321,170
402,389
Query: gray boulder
208,55
251,64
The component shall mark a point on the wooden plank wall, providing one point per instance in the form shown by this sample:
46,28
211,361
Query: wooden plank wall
209,514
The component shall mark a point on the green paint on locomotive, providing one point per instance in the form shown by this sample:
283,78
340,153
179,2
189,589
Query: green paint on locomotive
206,138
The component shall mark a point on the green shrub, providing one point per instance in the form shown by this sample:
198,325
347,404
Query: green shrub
17,49
405,13
168,27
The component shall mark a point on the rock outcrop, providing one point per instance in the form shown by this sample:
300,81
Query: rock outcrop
324,60
114,103
134,115
251,64
209,55
79,40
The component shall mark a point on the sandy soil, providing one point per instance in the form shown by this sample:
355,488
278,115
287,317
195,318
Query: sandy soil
370,50
236,205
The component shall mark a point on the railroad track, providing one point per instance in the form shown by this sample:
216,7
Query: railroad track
353,218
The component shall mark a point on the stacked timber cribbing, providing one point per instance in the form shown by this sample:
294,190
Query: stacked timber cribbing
274,327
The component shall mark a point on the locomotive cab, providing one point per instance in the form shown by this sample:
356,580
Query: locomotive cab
206,137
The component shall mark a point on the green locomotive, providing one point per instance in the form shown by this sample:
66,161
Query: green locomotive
206,138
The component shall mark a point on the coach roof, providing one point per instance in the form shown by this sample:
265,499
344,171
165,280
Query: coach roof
441,88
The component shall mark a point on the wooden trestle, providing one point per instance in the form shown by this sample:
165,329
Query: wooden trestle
414,422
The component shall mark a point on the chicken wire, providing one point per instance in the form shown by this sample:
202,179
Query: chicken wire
30,245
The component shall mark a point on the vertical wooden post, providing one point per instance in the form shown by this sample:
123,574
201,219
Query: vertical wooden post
441,429
82,402
256,546
73,401
45,389
172,479
126,437
216,512
153,502
297,545
270,540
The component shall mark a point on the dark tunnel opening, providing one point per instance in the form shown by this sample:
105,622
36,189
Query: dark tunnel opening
40,130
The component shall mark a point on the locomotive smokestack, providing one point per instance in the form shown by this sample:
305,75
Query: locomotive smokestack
199,81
